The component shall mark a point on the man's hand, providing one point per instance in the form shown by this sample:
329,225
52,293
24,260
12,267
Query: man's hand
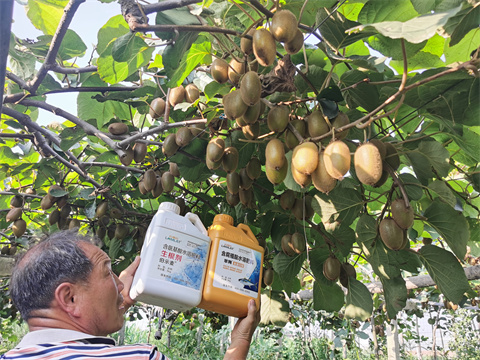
126,277
242,333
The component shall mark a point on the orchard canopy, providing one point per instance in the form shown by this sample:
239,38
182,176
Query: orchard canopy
345,134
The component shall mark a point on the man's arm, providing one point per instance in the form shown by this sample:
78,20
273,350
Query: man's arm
242,334
126,277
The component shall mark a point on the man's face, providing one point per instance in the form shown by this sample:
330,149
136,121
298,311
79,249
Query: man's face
100,299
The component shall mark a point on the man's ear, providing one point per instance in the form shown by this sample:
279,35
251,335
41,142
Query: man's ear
66,297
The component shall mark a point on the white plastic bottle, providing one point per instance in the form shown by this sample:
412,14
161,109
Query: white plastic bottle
173,262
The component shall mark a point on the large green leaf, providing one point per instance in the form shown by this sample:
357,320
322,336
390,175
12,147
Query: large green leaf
359,303
362,94
178,16
443,192
459,25
45,15
340,205
377,11
327,297
275,309
409,30
446,271
71,46
461,51
114,28
126,46
395,291
429,154
317,258
451,225
288,266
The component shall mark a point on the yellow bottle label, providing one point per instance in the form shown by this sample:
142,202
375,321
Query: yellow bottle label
237,269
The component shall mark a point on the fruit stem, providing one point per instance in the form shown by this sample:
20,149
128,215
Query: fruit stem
397,182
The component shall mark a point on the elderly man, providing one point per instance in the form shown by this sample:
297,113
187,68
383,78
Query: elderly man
66,291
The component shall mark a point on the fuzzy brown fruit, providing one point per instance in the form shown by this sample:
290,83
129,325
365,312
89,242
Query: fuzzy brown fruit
337,159
402,215
19,227
183,136
235,70
169,146
347,272
128,158
285,243
16,201
268,275
278,118
275,154
168,181
392,235
284,26
157,108
251,88
298,243
253,168
139,152
149,179
102,209
14,214
219,70
316,124
331,268
215,149
274,175
295,45
118,128
191,93
368,164
321,178
230,159
305,158
233,182
233,105
287,199
177,95
264,47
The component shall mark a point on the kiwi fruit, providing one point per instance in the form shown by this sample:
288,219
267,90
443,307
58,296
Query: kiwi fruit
219,70
337,159
192,93
251,88
127,159
298,208
300,178
287,199
173,168
104,220
197,129
235,70
391,234
5,250
316,124
117,128
47,202
298,243
285,243
402,215
331,268
181,204
230,159
14,214
141,187
320,178
251,115
16,201
116,213
383,178
284,26
253,168
380,146
246,44
53,217
276,175
278,118
268,275
368,164
121,231
295,45
233,182
233,104
30,191
74,224
391,157
170,146
305,158
183,136
347,271
245,181
215,149
212,165
275,154
65,211
157,108
101,210
149,179
245,196
264,47
177,95
251,131
290,139
61,202
139,152
340,121
232,199
19,227
158,189
168,181
101,232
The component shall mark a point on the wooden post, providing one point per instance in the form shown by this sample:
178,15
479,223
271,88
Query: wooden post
393,346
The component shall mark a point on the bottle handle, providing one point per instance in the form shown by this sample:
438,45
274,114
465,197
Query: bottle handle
246,229
195,220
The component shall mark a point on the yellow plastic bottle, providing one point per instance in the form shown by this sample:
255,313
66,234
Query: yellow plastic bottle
234,269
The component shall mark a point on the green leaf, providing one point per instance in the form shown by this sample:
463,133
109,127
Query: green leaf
315,75
413,187
340,205
199,53
363,95
327,297
127,46
446,271
173,52
393,47
427,6
395,291
90,208
275,309
468,142
7,156
114,248
429,154
71,46
461,51
408,30
114,28
287,266
70,137
214,88
443,192
378,11
451,225
459,25
177,16
45,15
197,173
317,257
359,303
113,72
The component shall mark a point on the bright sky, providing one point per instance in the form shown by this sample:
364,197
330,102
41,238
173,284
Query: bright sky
90,17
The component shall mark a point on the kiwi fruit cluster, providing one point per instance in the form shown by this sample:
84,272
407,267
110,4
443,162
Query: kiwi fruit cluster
393,229
293,244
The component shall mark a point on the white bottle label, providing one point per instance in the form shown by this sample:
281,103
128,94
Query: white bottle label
237,269
181,260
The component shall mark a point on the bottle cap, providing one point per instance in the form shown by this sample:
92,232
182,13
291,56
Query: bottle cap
223,218
169,206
